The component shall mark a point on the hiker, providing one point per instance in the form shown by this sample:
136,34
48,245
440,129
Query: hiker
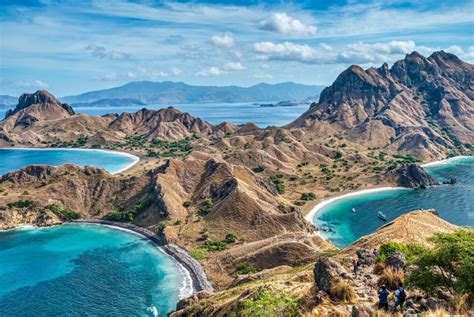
356,265
383,298
375,252
401,296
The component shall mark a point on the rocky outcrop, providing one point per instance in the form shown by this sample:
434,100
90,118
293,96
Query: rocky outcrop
396,261
327,272
423,106
413,176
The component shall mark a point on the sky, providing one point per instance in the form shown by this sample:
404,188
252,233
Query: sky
70,47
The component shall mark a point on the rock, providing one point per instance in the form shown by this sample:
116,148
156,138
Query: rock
452,181
414,176
326,273
362,311
185,302
396,261
366,257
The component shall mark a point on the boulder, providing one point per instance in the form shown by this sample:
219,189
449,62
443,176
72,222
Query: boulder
362,311
396,261
326,273
366,257
414,176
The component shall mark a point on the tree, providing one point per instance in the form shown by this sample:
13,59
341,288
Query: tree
448,266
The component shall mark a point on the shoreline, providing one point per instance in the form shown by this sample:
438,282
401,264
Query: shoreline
192,267
445,161
135,159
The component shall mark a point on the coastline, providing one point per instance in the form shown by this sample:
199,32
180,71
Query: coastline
194,270
310,215
135,159
445,161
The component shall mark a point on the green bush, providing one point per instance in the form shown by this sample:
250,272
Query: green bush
259,169
187,204
308,196
267,304
62,213
449,265
198,253
245,268
213,245
230,238
410,251
20,204
277,180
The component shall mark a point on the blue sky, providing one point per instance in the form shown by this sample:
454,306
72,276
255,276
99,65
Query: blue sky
69,47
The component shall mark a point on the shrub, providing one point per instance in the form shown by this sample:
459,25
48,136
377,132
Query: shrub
449,265
379,268
410,251
63,213
198,253
187,204
161,226
230,238
246,268
278,182
213,245
267,304
391,278
178,222
308,196
259,169
343,292
20,204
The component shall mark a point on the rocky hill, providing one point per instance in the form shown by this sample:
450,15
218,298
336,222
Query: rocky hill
310,285
423,106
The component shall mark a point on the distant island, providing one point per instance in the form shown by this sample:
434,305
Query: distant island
148,92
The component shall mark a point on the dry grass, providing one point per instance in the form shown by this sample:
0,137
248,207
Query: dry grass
391,278
343,292
379,267
437,313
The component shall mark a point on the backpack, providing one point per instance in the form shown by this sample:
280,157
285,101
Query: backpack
402,295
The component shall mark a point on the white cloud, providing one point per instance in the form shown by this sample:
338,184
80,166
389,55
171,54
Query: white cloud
233,66
262,76
211,71
286,51
466,55
32,84
102,52
264,66
225,40
356,53
176,71
282,23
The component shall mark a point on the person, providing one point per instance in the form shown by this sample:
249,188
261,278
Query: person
383,298
376,252
356,265
401,296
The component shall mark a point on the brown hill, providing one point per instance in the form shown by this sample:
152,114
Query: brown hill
423,106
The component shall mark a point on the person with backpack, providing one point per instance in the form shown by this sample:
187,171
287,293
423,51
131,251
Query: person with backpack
401,296
383,298
356,265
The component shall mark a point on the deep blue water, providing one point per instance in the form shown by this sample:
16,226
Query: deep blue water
84,270
14,159
215,113
455,203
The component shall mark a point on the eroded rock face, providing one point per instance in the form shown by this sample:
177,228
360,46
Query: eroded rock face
326,273
414,176
40,97
366,256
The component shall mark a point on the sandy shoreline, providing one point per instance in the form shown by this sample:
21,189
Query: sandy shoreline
310,215
135,159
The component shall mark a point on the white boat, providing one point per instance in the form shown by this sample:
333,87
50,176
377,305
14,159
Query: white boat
353,210
382,216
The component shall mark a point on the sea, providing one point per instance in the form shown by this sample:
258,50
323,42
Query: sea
454,203
215,113
86,270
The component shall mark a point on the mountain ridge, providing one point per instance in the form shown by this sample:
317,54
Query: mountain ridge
179,92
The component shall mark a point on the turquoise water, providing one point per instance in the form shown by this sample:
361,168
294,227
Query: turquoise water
14,159
77,270
215,113
455,203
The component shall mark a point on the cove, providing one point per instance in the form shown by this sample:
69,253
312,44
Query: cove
86,270
454,203
12,159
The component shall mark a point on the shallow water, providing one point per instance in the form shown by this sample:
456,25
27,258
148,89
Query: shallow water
14,159
84,270
215,113
453,202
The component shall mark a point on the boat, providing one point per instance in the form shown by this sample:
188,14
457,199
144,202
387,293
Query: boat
382,216
353,210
